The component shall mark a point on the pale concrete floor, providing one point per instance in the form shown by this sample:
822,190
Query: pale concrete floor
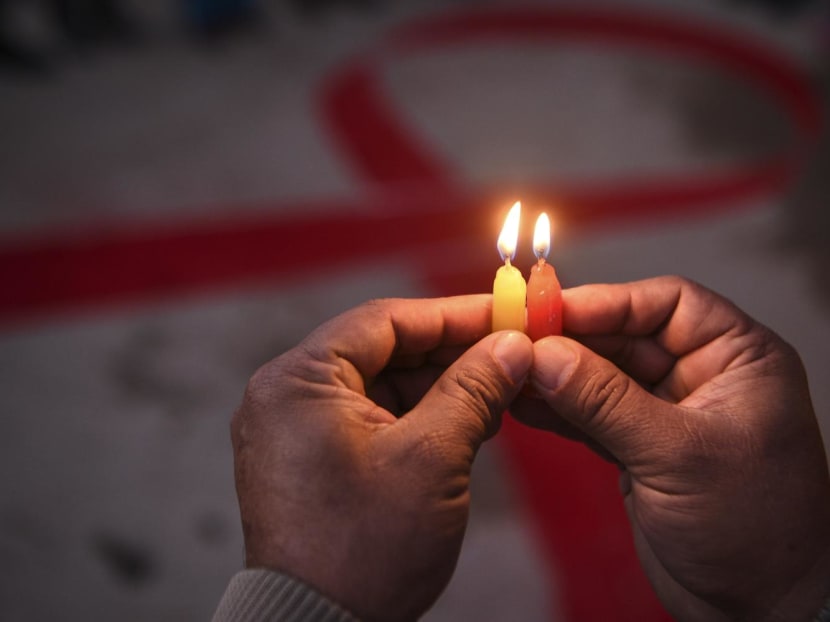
117,487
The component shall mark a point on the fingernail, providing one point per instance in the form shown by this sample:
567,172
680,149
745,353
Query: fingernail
554,362
513,353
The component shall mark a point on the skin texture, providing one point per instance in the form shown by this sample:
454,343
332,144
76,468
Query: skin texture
724,475
353,450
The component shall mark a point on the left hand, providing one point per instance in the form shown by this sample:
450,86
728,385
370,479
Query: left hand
353,450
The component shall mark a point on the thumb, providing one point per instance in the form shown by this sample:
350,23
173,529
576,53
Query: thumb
466,402
593,394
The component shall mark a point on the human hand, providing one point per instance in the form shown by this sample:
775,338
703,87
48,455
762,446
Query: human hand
724,473
353,450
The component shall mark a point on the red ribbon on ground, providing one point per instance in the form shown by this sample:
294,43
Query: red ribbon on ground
57,271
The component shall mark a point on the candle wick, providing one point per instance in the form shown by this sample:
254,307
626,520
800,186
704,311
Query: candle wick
507,261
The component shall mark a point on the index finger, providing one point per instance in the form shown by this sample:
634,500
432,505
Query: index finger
369,336
677,314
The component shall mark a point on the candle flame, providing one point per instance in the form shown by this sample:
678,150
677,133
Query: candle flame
541,237
509,236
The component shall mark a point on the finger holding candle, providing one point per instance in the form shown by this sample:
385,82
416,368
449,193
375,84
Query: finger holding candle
544,294
509,287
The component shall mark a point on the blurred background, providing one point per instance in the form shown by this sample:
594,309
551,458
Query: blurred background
188,187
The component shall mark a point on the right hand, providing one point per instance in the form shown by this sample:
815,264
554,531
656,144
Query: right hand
708,413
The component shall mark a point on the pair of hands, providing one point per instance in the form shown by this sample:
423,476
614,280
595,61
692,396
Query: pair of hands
353,451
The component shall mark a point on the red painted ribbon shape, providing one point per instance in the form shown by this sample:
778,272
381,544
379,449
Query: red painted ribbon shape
49,272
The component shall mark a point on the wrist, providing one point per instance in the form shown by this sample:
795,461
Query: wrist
258,595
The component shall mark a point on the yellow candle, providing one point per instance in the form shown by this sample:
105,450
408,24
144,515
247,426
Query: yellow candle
509,288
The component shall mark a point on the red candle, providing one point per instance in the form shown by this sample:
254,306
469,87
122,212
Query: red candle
544,294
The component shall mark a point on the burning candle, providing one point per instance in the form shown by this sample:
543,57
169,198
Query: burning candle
544,294
509,288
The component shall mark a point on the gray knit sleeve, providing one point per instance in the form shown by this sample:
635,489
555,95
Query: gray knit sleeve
824,614
258,595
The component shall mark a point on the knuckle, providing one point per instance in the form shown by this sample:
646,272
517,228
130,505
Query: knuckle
474,398
377,313
263,390
477,391
675,282
260,386
373,303
685,286
680,281
600,395
380,307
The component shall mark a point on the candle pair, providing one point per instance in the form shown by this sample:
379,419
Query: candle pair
542,293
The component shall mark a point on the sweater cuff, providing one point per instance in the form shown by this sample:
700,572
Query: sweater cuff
257,595
824,614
